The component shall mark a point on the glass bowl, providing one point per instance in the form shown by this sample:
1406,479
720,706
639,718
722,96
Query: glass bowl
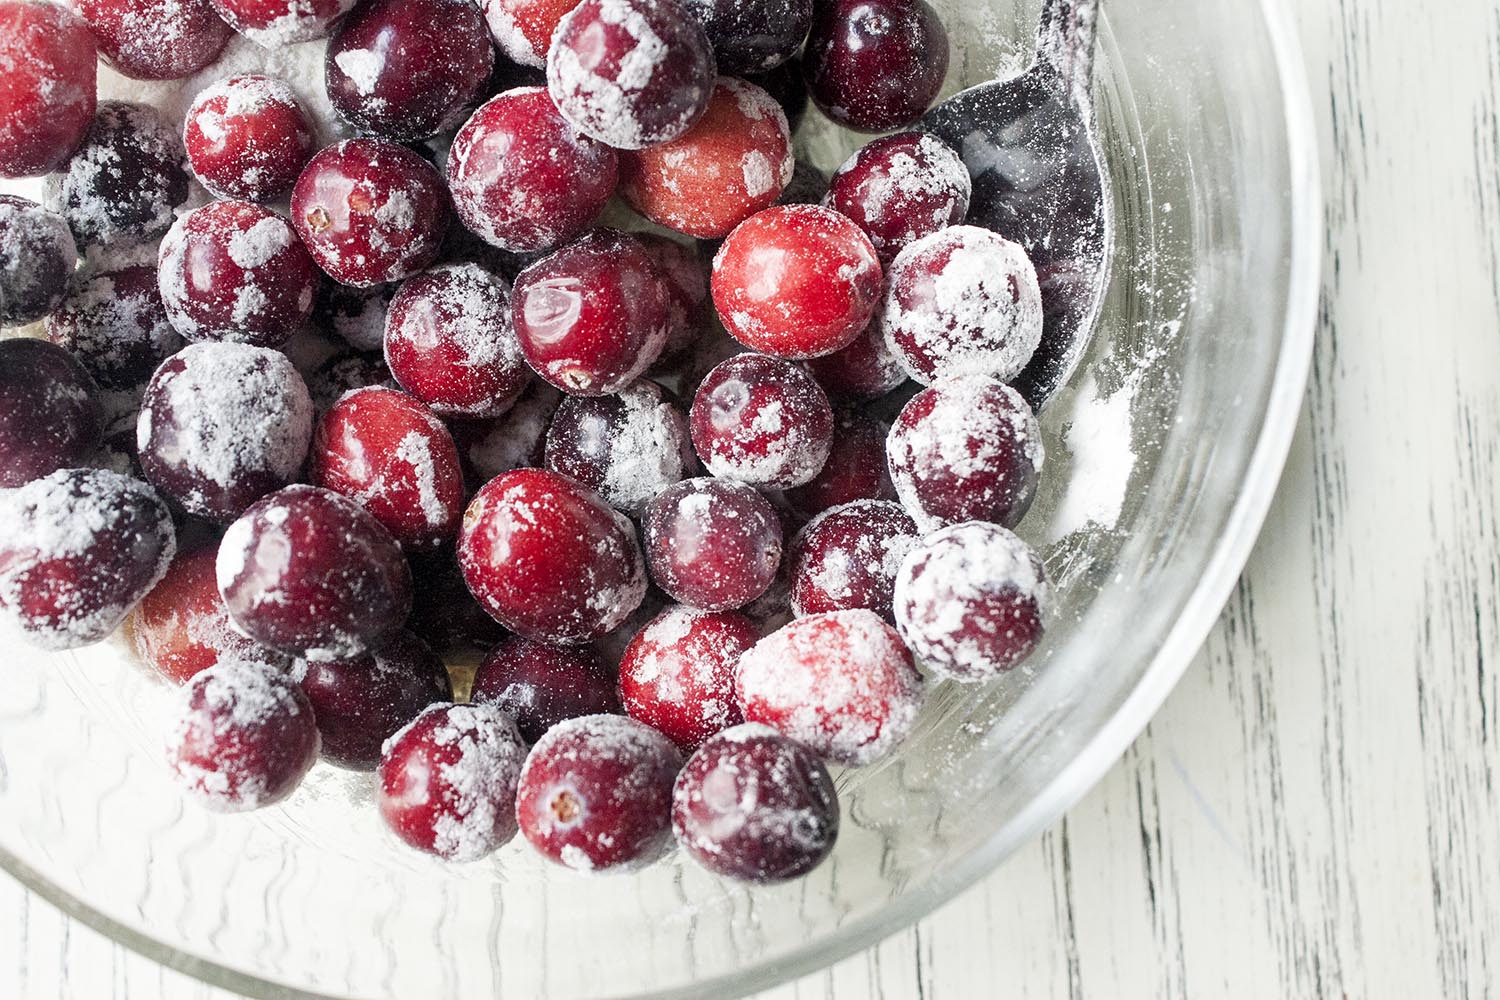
1163,453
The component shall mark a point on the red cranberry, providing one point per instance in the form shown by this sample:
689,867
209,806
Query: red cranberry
78,549
156,39
627,448
677,675
548,559
37,257
712,543
685,277
274,24
855,470
875,65
448,781
594,315
50,416
762,421
787,88
515,440
970,599
248,137
523,28
863,371
796,281
345,372
355,315
370,211
630,73
540,685
596,794
900,188
755,806
444,614
48,90
847,558
115,324
841,684
752,36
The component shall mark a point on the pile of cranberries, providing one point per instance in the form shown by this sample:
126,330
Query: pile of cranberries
694,570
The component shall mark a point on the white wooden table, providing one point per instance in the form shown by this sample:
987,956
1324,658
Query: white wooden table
1314,813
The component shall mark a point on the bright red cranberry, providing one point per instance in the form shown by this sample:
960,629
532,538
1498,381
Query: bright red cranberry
443,613
863,371
222,425
762,421
515,440
274,24
345,372
593,315
37,257
713,544
523,28
540,685
855,470
900,188
78,549
796,281
448,781
967,449
370,211
630,73
970,600
841,684
356,315
787,88
115,324
677,675
752,805
875,65
248,137
48,89
156,39
847,558
684,275
752,36
50,416
596,794
627,448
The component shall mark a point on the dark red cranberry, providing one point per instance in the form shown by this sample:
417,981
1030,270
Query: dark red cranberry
540,685
523,28
50,416
48,92
847,558
156,39
248,137
787,88
762,421
115,324
627,448
809,186
712,543
970,600
593,315
855,470
345,372
752,805
515,440
684,275
677,675
78,549
448,781
596,794
273,24
443,613
752,36
864,370
37,257
630,73
370,211
875,65
355,315
900,188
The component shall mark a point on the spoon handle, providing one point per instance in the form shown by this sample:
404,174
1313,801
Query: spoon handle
1065,42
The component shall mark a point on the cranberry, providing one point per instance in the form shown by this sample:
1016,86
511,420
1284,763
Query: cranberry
863,371
967,449
796,281
596,794
156,39
355,315
900,188
370,211
627,448
448,781
248,137
970,599
847,558
48,89
875,65
685,278
712,543
752,805
222,425
444,614
37,257
808,186
50,416
630,73
540,685
594,315
114,322
752,36
523,28
787,88
855,470
762,421
515,440
274,24
677,675
78,549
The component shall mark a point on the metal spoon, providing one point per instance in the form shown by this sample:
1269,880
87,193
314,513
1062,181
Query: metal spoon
1032,146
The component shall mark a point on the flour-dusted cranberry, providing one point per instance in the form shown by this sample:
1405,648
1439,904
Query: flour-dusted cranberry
274,24
808,186
355,315
593,315
863,371
155,39
684,273
443,612
752,805
539,684
631,73
248,137
115,324
712,543
796,281
523,28
787,88
48,89
855,470
515,440
596,794
752,36
875,65
222,425
762,421
900,188
966,449
370,211
627,447
78,549
37,257
841,684
847,558
344,372
677,675
970,600
50,416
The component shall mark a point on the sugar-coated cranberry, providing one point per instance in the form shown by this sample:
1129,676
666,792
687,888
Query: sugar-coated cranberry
631,73
344,372
515,440
523,28
356,315
78,549
752,36
787,88
966,449
841,684
548,559
49,87
596,794
970,600
855,470
370,211
752,805
247,137
593,315
443,612
448,781
50,416
37,257
222,425
407,69
115,324
900,188
796,281
677,675
684,274
155,39
762,421
847,558
273,24
875,65
539,684
713,544
808,186
627,447
863,371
